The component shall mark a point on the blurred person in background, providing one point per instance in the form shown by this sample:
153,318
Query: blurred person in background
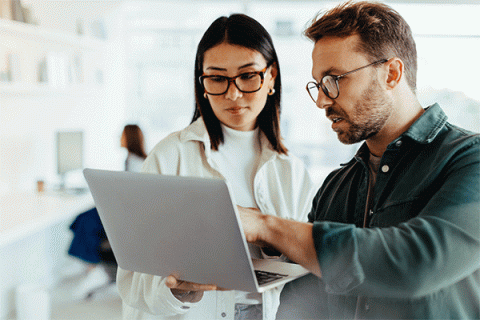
90,243
132,139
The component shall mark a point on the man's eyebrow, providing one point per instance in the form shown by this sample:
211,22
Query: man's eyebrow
329,71
332,71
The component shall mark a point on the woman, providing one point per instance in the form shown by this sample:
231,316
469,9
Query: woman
234,135
132,139
89,241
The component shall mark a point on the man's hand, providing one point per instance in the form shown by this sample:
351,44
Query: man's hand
252,223
187,291
294,239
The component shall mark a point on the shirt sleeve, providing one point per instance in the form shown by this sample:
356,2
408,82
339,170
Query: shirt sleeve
149,294
437,248
287,191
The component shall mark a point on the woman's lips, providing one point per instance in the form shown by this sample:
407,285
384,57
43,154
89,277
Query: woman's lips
236,110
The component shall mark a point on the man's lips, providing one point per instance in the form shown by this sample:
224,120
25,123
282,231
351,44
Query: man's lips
333,116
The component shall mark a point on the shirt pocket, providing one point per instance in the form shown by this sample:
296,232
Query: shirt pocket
397,212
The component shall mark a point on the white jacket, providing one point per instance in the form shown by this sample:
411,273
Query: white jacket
282,187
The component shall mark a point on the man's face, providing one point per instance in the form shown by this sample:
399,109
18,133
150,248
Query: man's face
362,108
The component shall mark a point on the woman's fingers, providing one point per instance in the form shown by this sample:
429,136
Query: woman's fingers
173,283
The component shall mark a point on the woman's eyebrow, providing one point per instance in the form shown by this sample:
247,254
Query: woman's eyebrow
248,65
239,68
216,69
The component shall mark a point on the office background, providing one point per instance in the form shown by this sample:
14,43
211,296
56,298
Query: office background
94,66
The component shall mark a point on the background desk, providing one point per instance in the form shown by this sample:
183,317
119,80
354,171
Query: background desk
34,239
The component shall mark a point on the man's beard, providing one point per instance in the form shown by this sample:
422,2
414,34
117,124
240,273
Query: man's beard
370,114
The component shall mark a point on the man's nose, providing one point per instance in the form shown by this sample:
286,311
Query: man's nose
323,101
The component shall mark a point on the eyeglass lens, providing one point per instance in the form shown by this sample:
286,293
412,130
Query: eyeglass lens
248,82
328,85
312,90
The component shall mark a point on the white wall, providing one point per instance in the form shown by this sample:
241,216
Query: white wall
29,118
64,15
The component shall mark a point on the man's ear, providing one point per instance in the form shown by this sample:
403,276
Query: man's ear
395,72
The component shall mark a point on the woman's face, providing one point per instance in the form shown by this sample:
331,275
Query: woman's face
123,140
236,109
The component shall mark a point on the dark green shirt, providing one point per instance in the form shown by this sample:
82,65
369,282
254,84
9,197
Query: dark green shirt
419,257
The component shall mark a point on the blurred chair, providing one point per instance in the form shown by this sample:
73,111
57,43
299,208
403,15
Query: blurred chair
90,244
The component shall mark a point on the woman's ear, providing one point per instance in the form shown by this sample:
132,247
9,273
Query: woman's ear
273,73
395,72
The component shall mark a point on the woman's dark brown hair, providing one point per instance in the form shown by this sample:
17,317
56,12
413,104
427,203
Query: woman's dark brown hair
134,140
241,30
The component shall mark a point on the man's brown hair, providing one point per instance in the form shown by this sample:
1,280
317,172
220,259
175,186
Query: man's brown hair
383,32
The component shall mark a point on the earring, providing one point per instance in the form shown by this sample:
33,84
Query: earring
271,92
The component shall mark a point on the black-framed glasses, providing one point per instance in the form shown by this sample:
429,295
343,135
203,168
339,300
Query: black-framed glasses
329,83
247,82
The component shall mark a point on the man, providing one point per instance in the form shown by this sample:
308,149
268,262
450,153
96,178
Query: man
394,233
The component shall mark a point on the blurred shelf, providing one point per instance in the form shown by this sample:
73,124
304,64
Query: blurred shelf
32,89
24,31
64,55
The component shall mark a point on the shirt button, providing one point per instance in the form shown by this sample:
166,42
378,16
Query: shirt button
385,169
224,314
398,143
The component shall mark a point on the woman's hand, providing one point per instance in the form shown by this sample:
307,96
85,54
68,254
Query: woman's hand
187,291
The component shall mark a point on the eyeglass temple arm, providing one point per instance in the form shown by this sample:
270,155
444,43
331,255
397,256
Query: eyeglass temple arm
368,65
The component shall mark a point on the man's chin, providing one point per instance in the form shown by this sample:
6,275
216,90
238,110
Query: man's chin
353,137
345,138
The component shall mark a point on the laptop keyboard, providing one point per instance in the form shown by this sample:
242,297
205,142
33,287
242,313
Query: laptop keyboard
264,277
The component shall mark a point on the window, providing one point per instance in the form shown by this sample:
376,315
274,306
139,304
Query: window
447,46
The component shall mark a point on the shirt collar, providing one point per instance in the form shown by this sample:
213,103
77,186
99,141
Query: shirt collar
197,131
427,127
423,131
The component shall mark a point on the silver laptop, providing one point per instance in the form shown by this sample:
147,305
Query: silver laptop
186,226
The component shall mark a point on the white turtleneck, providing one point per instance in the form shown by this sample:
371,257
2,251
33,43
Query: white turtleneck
237,160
